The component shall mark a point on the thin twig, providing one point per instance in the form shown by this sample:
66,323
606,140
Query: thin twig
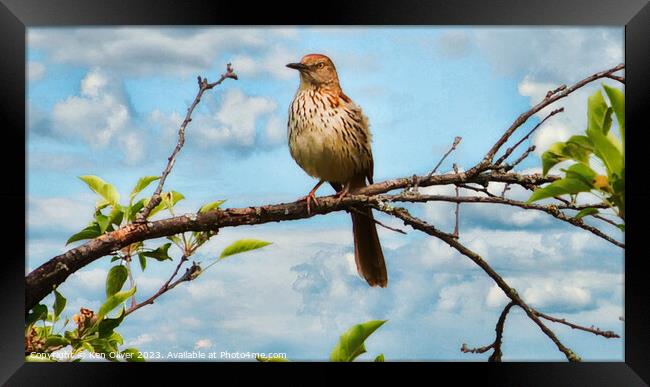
616,78
203,87
356,210
520,159
457,141
594,330
496,344
506,187
457,205
163,289
512,148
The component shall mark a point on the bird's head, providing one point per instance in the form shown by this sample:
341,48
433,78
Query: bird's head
316,70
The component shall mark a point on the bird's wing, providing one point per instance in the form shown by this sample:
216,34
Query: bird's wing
362,129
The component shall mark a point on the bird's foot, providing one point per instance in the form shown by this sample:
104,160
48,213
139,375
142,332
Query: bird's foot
311,196
341,194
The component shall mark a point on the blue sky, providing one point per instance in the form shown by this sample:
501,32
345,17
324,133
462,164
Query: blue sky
108,102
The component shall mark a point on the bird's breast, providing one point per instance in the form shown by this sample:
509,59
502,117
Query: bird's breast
325,139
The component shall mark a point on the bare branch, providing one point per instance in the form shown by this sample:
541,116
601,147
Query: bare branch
378,222
551,97
616,78
553,210
457,206
496,344
520,159
190,273
512,148
594,330
457,141
203,87
421,225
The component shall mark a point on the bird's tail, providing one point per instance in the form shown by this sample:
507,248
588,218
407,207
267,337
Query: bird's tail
367,249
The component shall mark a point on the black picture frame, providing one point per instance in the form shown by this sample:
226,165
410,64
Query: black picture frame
17,15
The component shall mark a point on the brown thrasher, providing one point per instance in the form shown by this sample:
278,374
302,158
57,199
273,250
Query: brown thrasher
329,138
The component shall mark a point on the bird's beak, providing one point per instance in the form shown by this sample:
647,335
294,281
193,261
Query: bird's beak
297,66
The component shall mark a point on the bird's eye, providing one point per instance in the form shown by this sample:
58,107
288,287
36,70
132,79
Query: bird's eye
320,65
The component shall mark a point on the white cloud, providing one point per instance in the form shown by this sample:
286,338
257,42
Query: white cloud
236,117
144,338
203,344
567,291
548,58
234,123
275,131
100,115
91,280
273,63
58,212
35,70
156,51
550,54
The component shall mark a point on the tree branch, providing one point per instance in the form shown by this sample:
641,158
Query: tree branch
496,344
203,87
457,141
551,97
594,330
423,226
43,279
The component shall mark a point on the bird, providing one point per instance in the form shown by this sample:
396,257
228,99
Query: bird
329,138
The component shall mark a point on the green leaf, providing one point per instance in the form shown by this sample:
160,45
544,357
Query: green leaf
211,206
160,254
621,226
581,141
59,304
113,301
617,100
38,312
88,347
117,215
574,149
380,358
560,187
107,325
274,359
241,246
116,338
103,221
135,208
102,188
56,340
586,212
169,199
90,232
608,151
115,279
106,347
351,343
142,183
39,359
143,261
132,355
582,172
597,113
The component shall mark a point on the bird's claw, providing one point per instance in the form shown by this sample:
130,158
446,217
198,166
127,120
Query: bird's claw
309,198
340,195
